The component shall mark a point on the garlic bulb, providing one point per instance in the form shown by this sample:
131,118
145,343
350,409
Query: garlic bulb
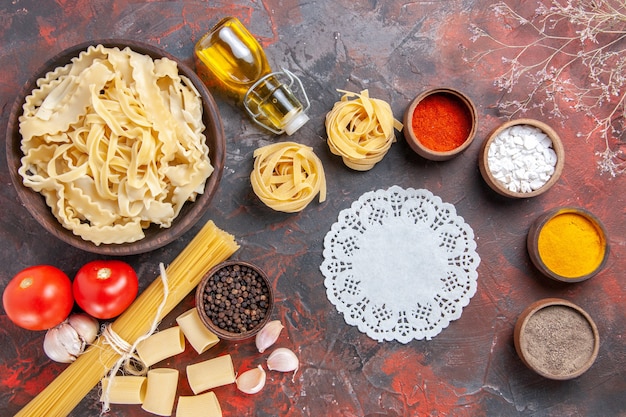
268,335
252,381
283,360
66,341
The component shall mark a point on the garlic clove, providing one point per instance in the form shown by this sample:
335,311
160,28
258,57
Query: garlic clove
53,349
251,381
62,344
70,340
283,360
66,341
86,326
268,335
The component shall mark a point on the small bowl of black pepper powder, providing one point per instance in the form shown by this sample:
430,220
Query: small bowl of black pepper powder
556,338
234,300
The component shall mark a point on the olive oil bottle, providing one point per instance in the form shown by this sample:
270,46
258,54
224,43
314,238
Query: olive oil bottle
240,68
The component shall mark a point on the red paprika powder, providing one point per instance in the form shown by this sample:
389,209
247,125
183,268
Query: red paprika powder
441,122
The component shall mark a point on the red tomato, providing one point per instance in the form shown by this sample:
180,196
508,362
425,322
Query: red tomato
104,289
38,297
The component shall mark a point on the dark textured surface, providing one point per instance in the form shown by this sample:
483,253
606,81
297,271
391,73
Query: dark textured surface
396,50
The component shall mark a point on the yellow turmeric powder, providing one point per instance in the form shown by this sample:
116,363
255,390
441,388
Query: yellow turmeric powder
571,245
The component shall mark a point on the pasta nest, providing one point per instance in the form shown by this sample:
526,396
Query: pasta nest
287,176
361,130
114,142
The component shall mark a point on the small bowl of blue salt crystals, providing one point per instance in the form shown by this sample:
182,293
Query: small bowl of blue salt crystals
522,158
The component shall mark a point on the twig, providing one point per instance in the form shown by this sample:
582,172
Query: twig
585,36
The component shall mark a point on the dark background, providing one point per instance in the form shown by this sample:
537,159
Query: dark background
396,50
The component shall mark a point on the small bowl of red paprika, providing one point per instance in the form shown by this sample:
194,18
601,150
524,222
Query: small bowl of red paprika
440,123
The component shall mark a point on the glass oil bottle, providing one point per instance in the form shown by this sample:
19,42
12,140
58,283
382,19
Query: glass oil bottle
240,68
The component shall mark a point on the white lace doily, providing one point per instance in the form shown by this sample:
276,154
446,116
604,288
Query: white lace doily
400,264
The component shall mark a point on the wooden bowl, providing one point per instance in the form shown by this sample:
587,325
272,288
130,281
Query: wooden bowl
412,137
155,236
532,243
207,288
500,187
556,338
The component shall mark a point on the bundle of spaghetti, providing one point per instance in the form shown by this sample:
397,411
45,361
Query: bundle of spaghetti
208,248
360,130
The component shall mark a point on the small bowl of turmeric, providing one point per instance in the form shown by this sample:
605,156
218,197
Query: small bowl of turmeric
440,123
568,244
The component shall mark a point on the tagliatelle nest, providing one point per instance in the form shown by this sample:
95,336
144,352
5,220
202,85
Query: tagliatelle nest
361,130
287,176
114,142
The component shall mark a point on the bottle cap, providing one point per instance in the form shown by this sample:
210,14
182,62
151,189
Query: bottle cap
295,122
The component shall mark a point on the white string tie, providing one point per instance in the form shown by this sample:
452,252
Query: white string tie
129,361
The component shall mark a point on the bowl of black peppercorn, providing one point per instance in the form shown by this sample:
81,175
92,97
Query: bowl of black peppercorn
234,300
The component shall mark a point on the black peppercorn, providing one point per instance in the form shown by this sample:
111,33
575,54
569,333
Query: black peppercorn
233,298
